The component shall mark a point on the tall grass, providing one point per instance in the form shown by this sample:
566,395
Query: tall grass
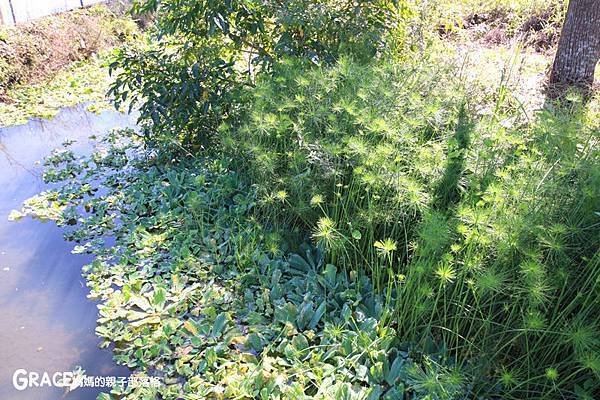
481,229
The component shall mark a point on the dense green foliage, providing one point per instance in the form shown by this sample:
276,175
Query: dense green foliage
315,214
207,53
198,293
476,228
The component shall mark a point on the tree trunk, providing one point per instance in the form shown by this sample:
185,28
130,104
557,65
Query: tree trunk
578,48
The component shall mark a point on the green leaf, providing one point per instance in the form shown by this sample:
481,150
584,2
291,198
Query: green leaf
395,370
346,313
159,298
254,342
395,393
306,314
317,315
299,263
141,302
330,274
361,372
300,342
154,319
219,324
287,313
356,234
375,393
190,327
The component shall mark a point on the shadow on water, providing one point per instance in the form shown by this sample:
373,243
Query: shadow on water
46,321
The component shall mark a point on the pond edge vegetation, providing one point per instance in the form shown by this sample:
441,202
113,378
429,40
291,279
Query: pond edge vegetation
330,217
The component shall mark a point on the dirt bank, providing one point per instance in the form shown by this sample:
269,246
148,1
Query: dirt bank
35,51
535,25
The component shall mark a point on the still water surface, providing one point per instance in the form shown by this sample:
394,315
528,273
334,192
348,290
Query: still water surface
46,321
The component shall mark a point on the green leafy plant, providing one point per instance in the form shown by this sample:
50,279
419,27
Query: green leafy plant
211,319
196,73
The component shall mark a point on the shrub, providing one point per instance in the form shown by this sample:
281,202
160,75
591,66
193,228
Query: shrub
207,54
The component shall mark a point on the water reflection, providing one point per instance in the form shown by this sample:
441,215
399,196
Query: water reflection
46,321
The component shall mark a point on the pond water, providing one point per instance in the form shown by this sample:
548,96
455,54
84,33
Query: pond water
46,321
